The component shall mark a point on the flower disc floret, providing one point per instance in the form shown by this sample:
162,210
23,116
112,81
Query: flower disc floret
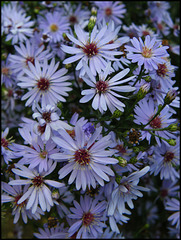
43,84
156,122
82,157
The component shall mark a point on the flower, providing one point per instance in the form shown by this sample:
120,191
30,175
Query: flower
173,205
110,10
165,161
144,112
102,91
95,50
37,191
45,83
5,144
89,215
7,75
16,25
16,193
27,52
86,159
49,120
54,24
126,191
149,53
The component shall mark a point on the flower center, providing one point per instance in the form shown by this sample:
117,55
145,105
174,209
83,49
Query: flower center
88,218
30,59
17,197
120,148
82,157
90,49
156,122
41,129
52,222
71,133
108,11
47,116
101,86
168,156
145,33
5,71
162,70
4,143
134,136
43,84
43,154
146,52
73,19
164,193
54,28
37,181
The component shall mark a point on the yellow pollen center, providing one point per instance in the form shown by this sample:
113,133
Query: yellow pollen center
146,52
54,28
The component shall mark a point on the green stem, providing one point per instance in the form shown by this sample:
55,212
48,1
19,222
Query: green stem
142,71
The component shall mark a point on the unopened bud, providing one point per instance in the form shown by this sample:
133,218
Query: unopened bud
122,161
147,78
68,65
117,113
94,11
91,23
171,95
172,142
143,91
173,127
133,160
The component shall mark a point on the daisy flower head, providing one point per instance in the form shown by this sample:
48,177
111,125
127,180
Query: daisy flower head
87,159
110,10
55,24
16,25
94,50
145,111
13,194
49,120
5,144
89,215
8,77
27,52
103,91
166,161
37,191
149,53
173,205
45,83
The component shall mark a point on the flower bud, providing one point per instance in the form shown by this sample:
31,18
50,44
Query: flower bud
147,78
122,161
143,91
133,160
91,23
173,127
172,142
94,11
171,95
117,113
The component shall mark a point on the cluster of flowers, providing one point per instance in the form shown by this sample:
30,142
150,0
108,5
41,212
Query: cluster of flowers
89,110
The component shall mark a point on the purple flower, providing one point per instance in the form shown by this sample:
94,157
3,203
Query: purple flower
102,91
27,52
110,10
89,215
144,112
166,160
37,192
149,53
54,24
173,205
45,84
86,159
15,193
95,51
7,75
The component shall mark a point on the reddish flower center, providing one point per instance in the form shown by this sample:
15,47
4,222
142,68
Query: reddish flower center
46,116
88,218
101,86
17,197
37,181
146,52
43,84
73,19
5,71
82,157
164,193
41,129
168,156
90,49
145,33
4,142
162,70
108,11
156,122
121,149
30,59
